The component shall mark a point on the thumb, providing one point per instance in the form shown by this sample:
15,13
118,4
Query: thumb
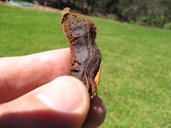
64,102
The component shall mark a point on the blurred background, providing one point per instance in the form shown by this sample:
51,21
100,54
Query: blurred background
134,37
155,13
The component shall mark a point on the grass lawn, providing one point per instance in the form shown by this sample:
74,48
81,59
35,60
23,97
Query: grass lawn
136,65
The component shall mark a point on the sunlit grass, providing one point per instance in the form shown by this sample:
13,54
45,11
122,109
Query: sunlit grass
136,66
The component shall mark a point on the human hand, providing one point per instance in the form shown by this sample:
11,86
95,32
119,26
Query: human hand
35,92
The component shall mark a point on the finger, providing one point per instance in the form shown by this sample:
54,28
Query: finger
96,115
63,102
19,75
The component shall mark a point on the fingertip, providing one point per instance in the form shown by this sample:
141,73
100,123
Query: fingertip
64,102
69,95
65,94
55,62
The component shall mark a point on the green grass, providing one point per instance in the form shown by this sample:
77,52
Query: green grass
136,65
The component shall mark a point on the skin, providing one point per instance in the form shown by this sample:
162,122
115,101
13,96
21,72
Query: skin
35,92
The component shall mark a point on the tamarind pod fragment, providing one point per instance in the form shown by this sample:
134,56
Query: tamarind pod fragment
85,55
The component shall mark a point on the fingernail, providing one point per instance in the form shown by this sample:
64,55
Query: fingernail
64,94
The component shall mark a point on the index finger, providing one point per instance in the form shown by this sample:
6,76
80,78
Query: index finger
19,75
